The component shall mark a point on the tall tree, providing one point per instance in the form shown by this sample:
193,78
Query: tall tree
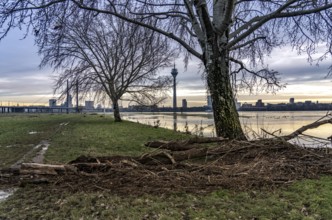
231,37
108,56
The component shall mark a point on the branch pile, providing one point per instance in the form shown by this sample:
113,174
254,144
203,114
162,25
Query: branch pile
198,165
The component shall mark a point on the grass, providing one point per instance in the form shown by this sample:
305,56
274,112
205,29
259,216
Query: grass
98,136
20,133
95,135
309,199
76,135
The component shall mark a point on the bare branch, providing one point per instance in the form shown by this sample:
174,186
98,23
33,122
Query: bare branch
167,34
108,56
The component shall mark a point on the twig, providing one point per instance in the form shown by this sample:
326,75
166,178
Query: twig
170,157
272,134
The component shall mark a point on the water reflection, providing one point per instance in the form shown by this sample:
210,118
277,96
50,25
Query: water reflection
194,123
282,123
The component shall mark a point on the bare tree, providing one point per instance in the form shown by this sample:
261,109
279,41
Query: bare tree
107,56
231,37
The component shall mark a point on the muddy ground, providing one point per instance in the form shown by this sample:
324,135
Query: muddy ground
239,166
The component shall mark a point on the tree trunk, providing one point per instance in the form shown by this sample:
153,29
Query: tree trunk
226,118
117,117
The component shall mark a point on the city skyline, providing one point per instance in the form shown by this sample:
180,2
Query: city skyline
21,81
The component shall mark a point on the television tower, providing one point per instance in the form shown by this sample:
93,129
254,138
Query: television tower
174,74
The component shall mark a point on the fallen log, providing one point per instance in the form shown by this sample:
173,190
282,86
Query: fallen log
73,168
45,169
183,145
169,157
103,159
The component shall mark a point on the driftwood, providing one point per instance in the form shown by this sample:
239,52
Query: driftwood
231,164
197,152
45,169
300,131
169,157
183,145
177,151
313,125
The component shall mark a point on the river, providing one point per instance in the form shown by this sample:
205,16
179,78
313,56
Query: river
201,123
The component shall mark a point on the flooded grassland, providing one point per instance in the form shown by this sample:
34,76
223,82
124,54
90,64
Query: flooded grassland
201,123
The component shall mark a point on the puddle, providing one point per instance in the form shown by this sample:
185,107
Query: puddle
36,152
43,146
33,132
4,194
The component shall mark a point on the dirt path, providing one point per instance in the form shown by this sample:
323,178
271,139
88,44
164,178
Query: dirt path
36,154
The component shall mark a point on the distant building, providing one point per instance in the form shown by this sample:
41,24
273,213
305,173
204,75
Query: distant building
291,101
52,102
184,104
247,105
260,103
89,105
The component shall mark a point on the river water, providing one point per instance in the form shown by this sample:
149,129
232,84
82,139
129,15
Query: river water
201,123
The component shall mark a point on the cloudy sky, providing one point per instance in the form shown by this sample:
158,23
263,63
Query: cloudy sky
22,82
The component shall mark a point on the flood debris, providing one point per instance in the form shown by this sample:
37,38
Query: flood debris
198,165
238,165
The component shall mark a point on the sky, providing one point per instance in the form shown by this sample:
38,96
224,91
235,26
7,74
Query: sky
23,82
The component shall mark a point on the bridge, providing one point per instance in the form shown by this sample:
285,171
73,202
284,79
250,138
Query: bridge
36,109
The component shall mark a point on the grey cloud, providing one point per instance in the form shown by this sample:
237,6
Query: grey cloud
20,75
191,87
28,88
18,56
295,68
303,73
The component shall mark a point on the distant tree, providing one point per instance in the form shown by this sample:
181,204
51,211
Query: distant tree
230,37
108,57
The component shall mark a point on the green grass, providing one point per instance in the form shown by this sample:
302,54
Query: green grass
95,135
15,137
99,136
309,199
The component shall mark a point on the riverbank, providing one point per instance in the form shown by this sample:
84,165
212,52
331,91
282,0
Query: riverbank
253,123
73,135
